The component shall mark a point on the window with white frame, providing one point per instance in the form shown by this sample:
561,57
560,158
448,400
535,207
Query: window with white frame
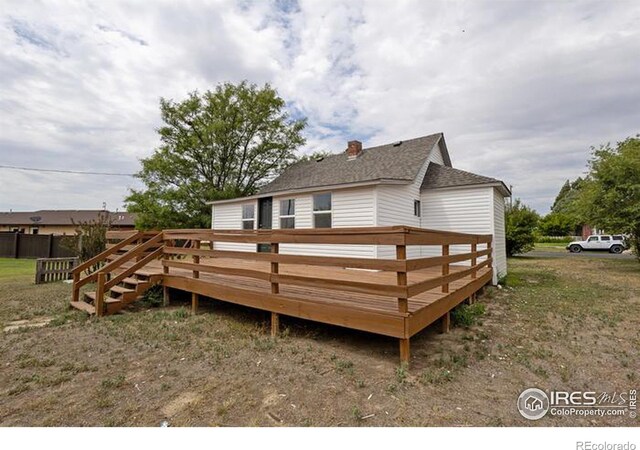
416,208
248,217
322,210
288,213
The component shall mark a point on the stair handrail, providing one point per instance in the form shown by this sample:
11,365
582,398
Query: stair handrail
104,284
130,270
78,282
108,252
134,252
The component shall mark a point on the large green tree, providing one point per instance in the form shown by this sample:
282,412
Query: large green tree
221,144
612,194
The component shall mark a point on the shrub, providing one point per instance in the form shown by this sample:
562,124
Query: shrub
154,296
467,315
521,222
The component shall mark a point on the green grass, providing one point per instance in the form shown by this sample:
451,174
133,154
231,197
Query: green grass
548,247
10,267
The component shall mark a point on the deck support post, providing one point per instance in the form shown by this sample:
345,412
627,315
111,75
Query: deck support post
404,351
446,322
275,324
403,302
275,289
195,298
474,259
445,267
165,290
99,303
75,296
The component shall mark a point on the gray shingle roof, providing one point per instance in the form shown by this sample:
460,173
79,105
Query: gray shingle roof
438,176
63,217
385,162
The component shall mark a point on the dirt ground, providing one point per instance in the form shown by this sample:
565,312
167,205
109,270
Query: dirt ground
558,324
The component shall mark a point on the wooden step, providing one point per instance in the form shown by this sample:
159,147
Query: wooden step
114,304
144,273
122,290
84,306
133,281
90,295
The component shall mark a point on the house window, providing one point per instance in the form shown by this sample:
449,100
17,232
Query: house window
322,210
287,213
416,208
34,231
248,217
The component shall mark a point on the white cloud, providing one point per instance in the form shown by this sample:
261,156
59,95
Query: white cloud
520,90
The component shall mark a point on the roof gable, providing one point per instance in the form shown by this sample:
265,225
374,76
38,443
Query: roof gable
391,162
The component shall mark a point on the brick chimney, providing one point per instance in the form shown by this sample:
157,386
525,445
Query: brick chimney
354,148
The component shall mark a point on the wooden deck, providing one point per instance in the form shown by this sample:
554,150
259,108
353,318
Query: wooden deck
393,297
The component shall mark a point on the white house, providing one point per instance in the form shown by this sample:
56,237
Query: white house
404,183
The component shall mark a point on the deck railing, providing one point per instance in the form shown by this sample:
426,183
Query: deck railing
399,236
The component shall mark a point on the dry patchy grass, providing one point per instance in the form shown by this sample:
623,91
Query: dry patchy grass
555,325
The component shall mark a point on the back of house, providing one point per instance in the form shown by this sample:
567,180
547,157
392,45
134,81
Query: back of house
408,183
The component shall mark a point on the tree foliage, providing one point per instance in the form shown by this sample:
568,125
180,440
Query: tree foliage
221,144
90,239
520,224
568,210
557,224
612,192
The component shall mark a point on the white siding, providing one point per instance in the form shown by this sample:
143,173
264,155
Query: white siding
436,154
395,206
478,210
350,208
228,216
499,243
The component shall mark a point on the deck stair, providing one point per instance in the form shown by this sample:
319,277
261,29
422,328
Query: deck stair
122,277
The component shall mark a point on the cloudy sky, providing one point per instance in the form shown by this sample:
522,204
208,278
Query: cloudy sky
520,89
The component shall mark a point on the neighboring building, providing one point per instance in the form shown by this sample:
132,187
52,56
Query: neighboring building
60,222
405,183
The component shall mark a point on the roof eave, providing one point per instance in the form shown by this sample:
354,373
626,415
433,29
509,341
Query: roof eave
310,189
497,184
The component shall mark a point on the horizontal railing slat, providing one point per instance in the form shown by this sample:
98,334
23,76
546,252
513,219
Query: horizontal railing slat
324,283
287,238
356,263
218,269
423,263
417,288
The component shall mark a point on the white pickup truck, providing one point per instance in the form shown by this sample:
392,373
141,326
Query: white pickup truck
613,244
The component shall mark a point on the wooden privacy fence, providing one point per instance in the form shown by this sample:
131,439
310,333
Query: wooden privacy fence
55,269
20,245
